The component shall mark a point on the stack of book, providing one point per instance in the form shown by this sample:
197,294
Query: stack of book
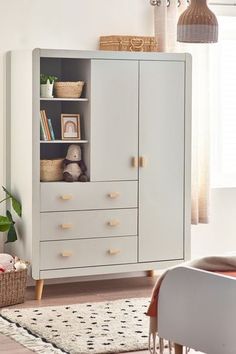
46,129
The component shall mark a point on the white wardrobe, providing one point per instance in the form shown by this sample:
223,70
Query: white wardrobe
134,213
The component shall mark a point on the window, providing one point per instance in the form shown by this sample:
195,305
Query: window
223,89
223,7
222,2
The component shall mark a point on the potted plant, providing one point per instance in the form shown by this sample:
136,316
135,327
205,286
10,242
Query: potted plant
7,224
46,85
13,271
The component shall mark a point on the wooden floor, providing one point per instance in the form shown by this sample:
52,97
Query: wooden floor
78,293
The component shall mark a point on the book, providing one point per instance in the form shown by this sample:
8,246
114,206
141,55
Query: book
43,126
51,129
45,123
42,131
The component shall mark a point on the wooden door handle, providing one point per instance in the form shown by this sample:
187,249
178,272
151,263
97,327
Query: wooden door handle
142,161
66,197
113,251
66,226
113,223
66,254
134,162
113,195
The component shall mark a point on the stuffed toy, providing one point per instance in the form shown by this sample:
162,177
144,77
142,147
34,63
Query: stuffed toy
19,264
74,167
6,262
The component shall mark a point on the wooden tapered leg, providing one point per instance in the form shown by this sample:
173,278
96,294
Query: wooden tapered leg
39,289
150,273
178,349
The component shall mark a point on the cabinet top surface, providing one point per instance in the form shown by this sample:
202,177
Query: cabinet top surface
99,54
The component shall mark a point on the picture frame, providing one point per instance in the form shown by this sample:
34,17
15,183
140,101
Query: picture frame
70,127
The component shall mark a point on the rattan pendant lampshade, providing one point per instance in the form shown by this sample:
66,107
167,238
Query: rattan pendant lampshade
197,24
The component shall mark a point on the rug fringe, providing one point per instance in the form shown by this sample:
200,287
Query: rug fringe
28,340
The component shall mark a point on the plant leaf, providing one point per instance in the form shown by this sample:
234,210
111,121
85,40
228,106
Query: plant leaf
5,223
9,216
16,206
6,191
11,235
15,203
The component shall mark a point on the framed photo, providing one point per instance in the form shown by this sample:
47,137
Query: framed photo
70,127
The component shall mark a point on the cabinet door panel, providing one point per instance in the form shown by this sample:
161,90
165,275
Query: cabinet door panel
161,188
114,119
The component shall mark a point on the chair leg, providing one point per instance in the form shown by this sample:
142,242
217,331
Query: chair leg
39,289
178,348
150,273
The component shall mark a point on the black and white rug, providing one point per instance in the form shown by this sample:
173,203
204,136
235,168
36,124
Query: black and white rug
96,328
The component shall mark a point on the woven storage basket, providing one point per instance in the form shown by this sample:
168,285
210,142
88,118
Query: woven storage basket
51,170
128,43
68,89
12,287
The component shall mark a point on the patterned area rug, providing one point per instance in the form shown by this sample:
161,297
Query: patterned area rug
96,328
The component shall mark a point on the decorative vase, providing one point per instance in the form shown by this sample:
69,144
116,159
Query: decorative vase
46,90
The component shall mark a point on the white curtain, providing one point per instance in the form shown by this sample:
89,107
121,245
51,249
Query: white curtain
200,132
203,71
166,18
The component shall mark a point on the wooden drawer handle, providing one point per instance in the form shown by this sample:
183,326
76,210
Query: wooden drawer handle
66,226
113,195
134,162
66,197
113,223
66,254
113,251
142,161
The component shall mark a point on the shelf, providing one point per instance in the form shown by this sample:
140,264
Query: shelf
64,99
63,141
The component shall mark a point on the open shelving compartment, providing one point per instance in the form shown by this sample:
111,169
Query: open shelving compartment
67,69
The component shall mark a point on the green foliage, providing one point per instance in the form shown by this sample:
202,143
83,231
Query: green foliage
4,223
11,235
44,78
15,204
7,224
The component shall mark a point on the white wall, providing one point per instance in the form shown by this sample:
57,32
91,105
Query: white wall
77,24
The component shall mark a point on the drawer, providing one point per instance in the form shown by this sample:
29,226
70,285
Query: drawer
64,196
88,224
90,252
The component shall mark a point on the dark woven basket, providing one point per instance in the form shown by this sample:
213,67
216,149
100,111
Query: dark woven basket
12,287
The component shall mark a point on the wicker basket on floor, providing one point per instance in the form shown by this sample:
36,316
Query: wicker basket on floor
12,287
68,89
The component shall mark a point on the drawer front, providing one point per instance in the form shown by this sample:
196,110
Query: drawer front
88,224
90,252
64,196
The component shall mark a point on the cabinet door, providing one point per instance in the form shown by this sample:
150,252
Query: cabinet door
161,188
114,119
